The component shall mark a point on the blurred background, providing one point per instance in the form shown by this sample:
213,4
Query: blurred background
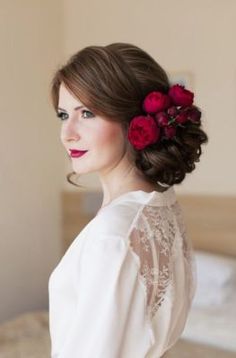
193,40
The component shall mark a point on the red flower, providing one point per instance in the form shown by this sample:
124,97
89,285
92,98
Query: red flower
182,117
172,111
155,102
169,131
180,96
162,119
194,114
143,131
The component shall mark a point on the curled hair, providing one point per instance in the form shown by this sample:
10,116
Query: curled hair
112,81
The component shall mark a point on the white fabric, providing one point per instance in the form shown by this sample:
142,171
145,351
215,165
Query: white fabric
124,287
216,279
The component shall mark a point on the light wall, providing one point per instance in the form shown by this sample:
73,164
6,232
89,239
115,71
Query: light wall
32,172
186,36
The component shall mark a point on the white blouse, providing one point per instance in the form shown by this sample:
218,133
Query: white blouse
124,287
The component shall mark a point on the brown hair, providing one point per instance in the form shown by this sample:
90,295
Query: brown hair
112,82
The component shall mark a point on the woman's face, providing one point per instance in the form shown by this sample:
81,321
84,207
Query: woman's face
82,130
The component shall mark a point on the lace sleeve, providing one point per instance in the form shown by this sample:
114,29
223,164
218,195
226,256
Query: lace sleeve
157,236
188,252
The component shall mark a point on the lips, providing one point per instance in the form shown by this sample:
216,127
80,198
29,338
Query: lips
77,153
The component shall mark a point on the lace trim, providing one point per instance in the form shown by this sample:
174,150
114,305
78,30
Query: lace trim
188,252
152,240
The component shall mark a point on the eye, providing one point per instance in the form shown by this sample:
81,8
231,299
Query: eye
85,114
61,115
90,114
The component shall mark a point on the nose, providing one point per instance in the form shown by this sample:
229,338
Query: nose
69,130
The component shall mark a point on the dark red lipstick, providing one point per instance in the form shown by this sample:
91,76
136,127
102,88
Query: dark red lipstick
77,153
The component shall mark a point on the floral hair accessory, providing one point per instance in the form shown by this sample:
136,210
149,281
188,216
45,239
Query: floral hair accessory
155,102
143,131
180,96
163,114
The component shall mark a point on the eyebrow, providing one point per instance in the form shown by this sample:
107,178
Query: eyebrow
76,108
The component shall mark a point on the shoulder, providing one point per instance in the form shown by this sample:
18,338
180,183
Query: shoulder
115,220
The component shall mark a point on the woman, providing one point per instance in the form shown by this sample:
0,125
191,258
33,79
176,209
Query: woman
125,286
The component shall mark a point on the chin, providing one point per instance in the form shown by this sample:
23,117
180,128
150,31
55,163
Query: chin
81,169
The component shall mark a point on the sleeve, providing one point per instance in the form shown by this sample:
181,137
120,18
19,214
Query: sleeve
110,320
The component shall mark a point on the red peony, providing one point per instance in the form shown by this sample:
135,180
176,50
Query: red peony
194,114
162,119
155,102
169,131
143,131
172,111
180,96
182,117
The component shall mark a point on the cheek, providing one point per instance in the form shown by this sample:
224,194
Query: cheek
110,135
